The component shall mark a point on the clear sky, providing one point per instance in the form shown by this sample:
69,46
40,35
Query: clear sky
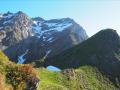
92,15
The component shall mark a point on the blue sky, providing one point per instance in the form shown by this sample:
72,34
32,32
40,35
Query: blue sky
92,15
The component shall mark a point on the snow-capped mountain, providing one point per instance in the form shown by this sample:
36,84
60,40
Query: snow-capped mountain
13,28
38,37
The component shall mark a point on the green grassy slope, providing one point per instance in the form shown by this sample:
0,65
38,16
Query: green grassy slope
14,76
83,78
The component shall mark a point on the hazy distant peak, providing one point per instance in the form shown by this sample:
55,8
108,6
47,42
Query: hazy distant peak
38,19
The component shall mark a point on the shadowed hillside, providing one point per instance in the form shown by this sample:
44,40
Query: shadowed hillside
101,50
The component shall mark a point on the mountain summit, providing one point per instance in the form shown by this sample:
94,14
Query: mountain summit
14,28
36,36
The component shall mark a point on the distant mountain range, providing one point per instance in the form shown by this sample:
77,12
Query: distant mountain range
19,33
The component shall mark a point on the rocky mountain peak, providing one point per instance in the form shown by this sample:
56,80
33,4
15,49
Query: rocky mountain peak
20,12
37,37
108,39
21,16
108,33
15,27
8,13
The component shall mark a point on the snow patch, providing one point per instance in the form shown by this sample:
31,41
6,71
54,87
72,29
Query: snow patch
48,52
51,39
36,28
44,38
42,32
21,58
9,21
51,24
1,15
59,27
8,16
1,27
35,22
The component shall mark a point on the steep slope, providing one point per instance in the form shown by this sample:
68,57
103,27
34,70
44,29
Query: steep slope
20,33
13,28
101,50
16,77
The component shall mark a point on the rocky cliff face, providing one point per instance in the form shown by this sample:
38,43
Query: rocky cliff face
20,33
14,28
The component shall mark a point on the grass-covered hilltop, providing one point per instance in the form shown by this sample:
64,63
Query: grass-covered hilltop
92,65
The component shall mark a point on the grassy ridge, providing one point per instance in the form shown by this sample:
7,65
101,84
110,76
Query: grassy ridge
84,78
